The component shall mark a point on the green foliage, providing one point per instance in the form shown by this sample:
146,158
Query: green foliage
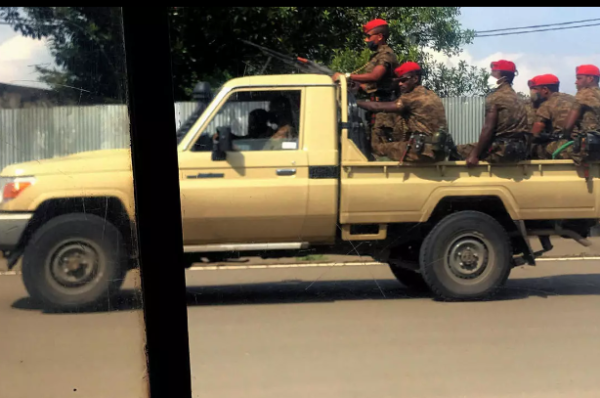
87,41
460,81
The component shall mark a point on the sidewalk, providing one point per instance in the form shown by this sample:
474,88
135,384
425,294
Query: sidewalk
562,248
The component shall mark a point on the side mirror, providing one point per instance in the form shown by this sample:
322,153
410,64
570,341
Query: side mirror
221,143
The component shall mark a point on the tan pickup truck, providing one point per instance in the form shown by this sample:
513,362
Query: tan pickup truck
455,230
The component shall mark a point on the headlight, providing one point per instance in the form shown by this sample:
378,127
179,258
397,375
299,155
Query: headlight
11,187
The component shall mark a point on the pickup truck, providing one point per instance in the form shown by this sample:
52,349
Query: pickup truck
454,230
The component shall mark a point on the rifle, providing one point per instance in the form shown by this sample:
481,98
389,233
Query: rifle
303,64
409,144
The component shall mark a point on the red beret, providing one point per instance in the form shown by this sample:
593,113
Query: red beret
543,80
588,70
373,24
406,67
504,65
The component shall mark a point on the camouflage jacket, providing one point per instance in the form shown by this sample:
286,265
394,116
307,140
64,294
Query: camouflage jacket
512,116
384,56
554,112
422,111
589,101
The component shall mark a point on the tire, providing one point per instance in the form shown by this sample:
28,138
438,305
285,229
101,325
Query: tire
478,273
411,279
93,264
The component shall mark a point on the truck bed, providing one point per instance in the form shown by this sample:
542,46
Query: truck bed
386,192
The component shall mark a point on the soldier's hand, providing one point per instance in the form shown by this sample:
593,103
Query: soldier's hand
472,160
336,76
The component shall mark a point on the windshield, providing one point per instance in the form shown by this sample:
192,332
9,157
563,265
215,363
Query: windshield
193,117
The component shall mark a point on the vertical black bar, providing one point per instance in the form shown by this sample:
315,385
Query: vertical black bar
158,206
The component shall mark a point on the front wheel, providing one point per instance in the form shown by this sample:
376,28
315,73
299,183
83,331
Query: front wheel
74,261
466,256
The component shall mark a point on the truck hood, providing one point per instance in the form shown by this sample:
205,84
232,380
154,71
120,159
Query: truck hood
85,162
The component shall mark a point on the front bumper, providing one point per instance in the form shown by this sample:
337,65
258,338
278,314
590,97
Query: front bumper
12,226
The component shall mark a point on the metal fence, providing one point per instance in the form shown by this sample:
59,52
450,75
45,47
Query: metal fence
41,133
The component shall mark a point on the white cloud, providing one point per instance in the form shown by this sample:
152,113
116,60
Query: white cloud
18,55
528,65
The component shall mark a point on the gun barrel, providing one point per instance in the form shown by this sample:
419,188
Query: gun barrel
302,63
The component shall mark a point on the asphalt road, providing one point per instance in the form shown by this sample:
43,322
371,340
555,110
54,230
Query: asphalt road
334,332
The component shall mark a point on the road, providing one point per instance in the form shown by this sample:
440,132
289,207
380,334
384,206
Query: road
334,332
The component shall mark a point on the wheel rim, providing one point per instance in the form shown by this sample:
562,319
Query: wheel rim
468,257
75,265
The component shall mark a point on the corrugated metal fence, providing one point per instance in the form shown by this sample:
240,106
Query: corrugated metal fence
41,133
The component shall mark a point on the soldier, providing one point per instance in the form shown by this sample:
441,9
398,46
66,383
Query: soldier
504,134
420,119
377,79
585,114
551,111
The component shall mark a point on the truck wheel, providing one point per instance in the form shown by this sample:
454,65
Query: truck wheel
411,279
74,261
466,256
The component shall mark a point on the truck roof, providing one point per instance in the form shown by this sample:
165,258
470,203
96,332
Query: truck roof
280,80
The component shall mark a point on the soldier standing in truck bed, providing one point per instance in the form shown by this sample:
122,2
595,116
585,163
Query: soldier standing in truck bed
377,80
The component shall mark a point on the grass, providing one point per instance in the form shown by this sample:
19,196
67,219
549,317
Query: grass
312,257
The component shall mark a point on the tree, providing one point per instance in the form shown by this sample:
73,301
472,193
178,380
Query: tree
86,41
460,81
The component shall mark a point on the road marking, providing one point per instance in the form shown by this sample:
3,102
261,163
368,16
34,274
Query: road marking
315,265
264,266
348,264
567,258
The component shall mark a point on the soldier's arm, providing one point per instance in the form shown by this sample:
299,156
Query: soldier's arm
542,116
487,133
374,76
379,106
537,128
574,115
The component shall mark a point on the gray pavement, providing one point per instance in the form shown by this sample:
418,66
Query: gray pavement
335,332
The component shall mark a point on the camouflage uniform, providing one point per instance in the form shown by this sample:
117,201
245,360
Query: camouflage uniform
530,113
554,113
589,101
381,122
421,112
511,124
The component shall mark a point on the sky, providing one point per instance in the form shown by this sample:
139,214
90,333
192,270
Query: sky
557,52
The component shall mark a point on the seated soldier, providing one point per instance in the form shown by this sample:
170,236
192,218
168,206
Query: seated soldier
586,116
551,111
419,133
504,134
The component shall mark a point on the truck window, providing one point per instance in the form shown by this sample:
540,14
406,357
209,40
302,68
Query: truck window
260,120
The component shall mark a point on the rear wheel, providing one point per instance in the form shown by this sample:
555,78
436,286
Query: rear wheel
74,261
466,256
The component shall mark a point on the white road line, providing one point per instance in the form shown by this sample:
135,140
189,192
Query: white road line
314,265
567,258
264,266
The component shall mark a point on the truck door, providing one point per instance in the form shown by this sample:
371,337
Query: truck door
259,193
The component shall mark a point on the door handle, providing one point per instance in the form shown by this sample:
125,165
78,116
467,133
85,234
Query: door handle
286,172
